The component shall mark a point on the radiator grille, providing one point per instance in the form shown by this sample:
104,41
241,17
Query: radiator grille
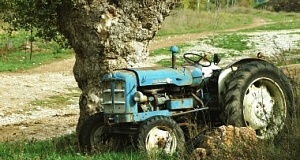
113,96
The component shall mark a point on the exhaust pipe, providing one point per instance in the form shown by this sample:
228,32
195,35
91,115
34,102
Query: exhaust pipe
174,50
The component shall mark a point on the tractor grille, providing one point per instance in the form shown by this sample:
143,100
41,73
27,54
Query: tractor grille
113,96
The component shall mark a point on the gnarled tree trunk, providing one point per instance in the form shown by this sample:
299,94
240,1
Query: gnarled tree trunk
108,35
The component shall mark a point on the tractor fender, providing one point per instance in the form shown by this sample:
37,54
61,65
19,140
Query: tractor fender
228,71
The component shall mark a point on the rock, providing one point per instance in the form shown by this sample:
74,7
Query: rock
199,153
225,139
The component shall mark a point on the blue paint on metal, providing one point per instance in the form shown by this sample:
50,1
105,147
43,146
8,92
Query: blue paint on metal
112,96
196,74
183,103
130,80
118,88
180,76
137,117
145,115
174,49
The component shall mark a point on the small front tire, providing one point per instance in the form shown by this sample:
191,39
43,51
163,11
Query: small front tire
160,133
93,139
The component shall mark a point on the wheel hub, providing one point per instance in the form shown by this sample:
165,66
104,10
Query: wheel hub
258,105
160,139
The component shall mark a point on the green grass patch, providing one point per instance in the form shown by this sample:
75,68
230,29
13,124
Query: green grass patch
189,21
277,21
229,55
284,146
15,52
276,26
166,51
276,16
59,100
234,41
58,148
168,62
298,43
20,60
66,148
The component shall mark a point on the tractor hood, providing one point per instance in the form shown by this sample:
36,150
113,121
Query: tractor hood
179,76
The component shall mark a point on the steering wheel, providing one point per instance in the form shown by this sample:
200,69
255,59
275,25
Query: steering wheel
195,59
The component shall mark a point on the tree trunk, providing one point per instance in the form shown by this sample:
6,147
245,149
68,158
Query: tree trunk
108,35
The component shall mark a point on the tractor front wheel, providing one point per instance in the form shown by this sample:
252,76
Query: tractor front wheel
93,139
160,133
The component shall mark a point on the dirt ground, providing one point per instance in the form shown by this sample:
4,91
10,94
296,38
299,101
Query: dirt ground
20,120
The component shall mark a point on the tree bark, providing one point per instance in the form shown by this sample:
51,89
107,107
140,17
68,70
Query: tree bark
108,35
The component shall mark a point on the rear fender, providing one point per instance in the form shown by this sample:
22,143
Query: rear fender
228,71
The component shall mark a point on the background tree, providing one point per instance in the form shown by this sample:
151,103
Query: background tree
279,5
105,35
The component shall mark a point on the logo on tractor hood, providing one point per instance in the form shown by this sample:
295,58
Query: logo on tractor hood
160,81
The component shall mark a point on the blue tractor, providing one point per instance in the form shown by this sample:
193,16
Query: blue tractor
163,107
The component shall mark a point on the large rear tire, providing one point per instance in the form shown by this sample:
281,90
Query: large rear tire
93,139
258,95
160,133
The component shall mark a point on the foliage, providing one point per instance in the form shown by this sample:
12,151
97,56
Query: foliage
282,5
34,14
208,5
14,54
15,51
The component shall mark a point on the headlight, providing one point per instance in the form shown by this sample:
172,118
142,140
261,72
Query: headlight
140,97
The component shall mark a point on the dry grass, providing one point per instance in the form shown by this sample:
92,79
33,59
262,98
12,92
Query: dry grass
189,21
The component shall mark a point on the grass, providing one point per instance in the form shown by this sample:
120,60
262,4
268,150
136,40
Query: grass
166,51
284,146
64,148
237,42
15,52
19,60
295,24
58,101
168,63
233,41
187,21
277,21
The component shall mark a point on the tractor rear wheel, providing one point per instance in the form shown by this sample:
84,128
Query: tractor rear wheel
160,133
93,139
258,95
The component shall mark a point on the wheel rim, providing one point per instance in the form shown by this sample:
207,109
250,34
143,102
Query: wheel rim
101,141
264,107
161,138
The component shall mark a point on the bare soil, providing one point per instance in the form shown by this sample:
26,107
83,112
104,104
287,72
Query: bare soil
20,119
